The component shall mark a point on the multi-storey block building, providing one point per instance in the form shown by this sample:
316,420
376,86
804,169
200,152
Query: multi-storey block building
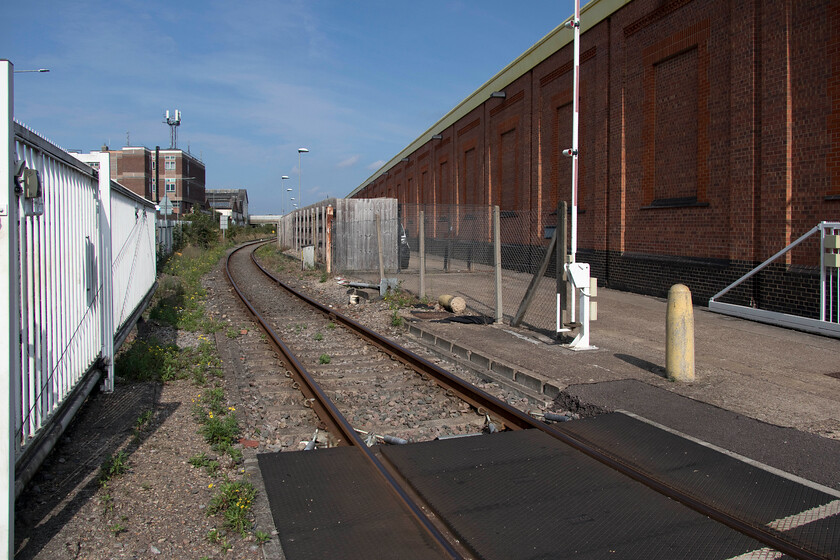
181,175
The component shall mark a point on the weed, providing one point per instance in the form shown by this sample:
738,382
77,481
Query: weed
114,465
232,332
234,501
396,319
117,528
146,360
299,328
397,299
323,277
227,448
218,430
215,537
331,325
211,326
214,399
107,502
318,336
146,486
324,359
143,420
200,460
262,537
212,468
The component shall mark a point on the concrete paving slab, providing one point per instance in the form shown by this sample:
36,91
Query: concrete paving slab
744,371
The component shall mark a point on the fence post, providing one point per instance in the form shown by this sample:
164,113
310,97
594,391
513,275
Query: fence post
10,330
328,236
560,266
497,262
106,278
422,254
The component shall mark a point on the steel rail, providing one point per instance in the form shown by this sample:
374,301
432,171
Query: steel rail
516,419
332,417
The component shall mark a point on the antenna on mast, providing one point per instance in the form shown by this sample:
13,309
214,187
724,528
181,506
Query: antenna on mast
174,122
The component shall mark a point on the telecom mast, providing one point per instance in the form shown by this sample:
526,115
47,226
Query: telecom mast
174,122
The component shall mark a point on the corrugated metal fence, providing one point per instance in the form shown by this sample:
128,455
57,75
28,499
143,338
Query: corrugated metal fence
79,261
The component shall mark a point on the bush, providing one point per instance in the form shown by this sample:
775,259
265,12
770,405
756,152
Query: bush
200,229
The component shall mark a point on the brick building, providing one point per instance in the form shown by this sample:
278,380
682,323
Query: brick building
182,175
709,140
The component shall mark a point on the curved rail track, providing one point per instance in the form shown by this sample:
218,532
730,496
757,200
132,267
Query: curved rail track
484,406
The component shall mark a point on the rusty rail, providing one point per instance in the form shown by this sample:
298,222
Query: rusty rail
509,416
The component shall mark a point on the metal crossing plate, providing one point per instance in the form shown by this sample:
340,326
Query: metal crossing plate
329,503
804,514
527,495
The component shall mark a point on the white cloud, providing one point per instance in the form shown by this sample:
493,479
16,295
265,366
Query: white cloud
376,164
349,162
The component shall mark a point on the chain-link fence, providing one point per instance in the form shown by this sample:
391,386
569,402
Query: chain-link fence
488,257
453,249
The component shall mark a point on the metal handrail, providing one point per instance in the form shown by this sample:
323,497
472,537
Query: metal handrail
820,325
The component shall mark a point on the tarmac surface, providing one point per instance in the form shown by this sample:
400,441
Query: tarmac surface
769,394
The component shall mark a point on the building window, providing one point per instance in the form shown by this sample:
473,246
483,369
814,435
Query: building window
169,162
170,185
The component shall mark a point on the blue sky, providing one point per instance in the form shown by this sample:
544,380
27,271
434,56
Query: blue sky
355,82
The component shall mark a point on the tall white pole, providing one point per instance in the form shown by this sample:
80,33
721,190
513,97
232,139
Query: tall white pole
10,324
575,115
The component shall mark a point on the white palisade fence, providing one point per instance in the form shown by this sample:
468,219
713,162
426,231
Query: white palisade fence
78,258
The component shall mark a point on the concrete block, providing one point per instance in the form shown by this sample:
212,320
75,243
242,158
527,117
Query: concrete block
480,360
551,391
529,381
461,352
502,369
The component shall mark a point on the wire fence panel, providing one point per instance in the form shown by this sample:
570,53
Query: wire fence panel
458,244
525,237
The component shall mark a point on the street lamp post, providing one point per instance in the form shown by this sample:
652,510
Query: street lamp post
300,173
283,200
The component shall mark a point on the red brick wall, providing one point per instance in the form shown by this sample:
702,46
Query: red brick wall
709,140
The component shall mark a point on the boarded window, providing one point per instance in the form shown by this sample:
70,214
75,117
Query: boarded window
675,161
508,185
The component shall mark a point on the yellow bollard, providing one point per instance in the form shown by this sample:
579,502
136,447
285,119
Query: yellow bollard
679,335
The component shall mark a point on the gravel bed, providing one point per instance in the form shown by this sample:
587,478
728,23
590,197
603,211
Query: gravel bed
158,508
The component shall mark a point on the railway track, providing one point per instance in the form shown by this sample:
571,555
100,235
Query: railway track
361,385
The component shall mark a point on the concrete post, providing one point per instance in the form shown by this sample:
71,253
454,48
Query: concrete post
497,262
679,335
328,238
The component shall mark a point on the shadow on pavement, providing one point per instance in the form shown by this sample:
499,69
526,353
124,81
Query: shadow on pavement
642,364
69,477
